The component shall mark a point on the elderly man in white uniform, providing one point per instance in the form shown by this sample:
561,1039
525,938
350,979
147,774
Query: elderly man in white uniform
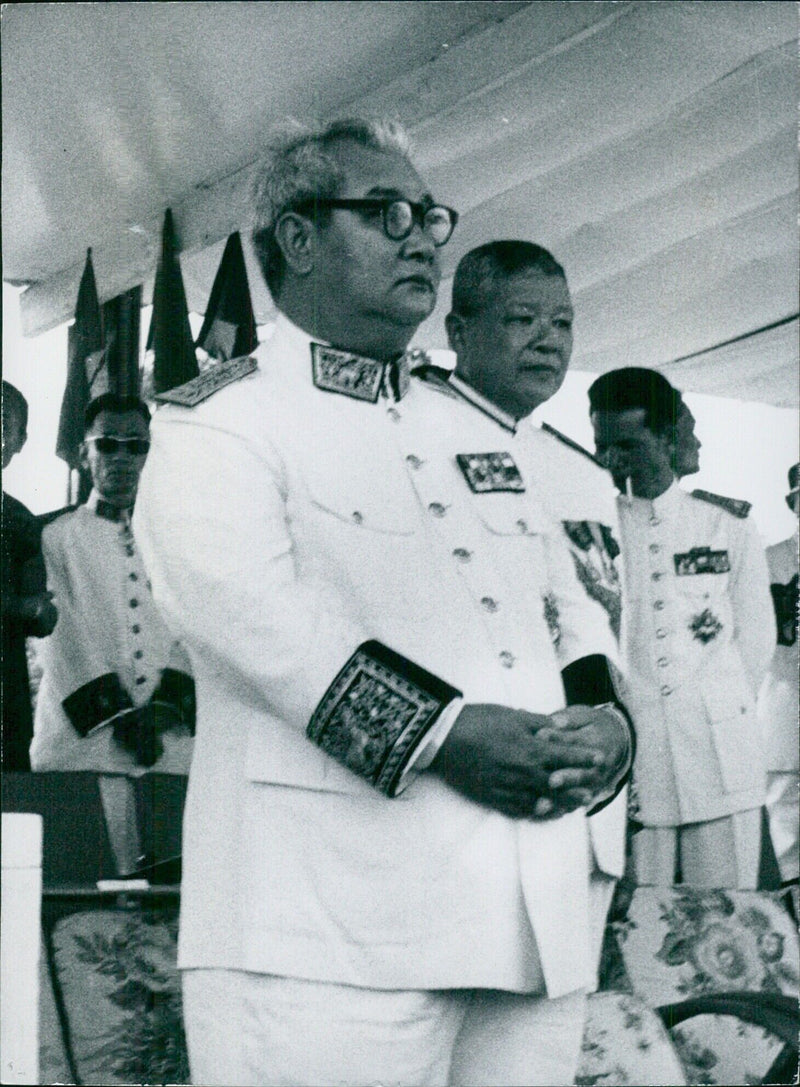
363,609
698,634
778,703
116,694
510,327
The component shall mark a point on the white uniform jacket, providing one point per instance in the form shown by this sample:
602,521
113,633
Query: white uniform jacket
578,494
698,632
109,649
283,525
777,702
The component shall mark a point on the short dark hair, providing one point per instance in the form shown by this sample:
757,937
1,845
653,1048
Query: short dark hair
118,404
298,167
483,266
637,387
17,401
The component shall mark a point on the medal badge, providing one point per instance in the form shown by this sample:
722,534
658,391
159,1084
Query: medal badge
489,472
705,626
701,560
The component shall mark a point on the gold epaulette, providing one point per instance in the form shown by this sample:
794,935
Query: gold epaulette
735,506
213,379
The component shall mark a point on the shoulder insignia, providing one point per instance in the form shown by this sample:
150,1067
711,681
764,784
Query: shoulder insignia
735,506
572,444
213,379
436,377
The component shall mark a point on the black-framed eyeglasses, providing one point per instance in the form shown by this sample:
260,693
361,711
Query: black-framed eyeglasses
399,216
106,443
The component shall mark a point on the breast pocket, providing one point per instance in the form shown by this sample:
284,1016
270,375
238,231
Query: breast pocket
365,535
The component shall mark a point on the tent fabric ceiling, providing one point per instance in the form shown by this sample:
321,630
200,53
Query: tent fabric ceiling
651,146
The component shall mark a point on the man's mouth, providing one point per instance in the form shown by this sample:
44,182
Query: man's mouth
419,281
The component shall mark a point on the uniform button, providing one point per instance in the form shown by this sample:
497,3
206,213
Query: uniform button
522,525
655,548
136,628
437,509
133,576
138,654
507,659
659,605
662,662
129,551
140,680
489,604
394,414
462,554
654,520
357,517
134,603
665,690
657,576
661,633
413,462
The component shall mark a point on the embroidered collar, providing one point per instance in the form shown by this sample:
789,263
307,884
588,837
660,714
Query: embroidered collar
360,378
106,510
508,422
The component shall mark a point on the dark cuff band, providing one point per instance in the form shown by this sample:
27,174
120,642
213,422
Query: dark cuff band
96,703
375,713
176,690
589,682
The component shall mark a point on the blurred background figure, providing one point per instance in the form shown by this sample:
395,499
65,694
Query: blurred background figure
116,694
697,634
778,700
27,606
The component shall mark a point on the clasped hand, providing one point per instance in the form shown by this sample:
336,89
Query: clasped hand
139,731
529,765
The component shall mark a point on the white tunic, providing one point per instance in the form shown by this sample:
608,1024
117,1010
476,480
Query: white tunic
283,526
696,647
108,623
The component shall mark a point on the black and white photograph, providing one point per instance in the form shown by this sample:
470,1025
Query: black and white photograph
401,488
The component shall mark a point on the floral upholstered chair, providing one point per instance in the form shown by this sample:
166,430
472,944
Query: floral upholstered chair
679,944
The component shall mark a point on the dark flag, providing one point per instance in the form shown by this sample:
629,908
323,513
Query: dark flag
170,336
229,328
122,318
85,337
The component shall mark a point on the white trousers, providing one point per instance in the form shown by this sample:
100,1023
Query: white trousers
266,1031
783,809
719,853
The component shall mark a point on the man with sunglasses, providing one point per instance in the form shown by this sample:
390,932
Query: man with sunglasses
345,605
116,694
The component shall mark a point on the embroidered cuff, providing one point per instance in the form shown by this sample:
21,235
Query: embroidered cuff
176,691
428,749
96,703
376,713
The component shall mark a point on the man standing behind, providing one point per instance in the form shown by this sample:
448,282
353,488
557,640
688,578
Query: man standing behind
777,702
698,633
510,326
116,695
345,606
28,609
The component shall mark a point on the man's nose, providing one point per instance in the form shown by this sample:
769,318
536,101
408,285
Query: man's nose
419,246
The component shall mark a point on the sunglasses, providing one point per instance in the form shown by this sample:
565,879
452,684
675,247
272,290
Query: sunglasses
398,216
105,443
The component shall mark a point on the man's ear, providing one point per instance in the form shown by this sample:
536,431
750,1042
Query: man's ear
294,234
454,324
83,451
